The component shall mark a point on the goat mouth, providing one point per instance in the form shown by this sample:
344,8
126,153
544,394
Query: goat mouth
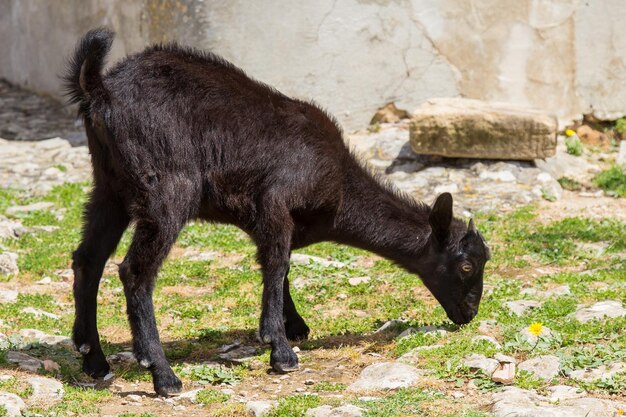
460,315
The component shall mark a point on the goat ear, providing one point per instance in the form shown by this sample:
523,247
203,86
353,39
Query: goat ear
471,227
441,217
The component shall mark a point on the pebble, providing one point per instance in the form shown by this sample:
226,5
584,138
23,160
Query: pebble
8,296
504,373
600,310
302,259
390,325
37,336
24,361
354,281
544,367
385,376
347,410
29,208
602,372
260,408
39,313
519,307
8,264
481,362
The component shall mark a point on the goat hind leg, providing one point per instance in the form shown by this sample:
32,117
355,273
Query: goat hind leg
295,327
105,221
151,244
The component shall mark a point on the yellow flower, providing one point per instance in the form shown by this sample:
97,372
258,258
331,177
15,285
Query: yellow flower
619,412
535,328
569,132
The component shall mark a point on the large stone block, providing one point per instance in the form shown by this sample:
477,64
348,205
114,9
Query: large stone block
456,127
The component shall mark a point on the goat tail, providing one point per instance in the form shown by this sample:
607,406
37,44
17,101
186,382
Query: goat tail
83,76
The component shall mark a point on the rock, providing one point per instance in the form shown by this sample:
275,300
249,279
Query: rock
390,325
302,259
260,408
24,361
407,332
480,362
37,336
489,339
50,365
565,165
42,205
8,296
592,137
602,372
600,310
347,410
519,307
487,327
12,404
557,291
8,264
503,176
122,357
44,281
504,374
10,229
441,331
412,355
39,313
385,376
565,392
516,402
354,281
389,114
46,390
621,155
457,127
239,354
544,367
504,358
189,395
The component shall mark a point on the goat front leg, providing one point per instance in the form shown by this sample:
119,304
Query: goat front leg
151,244
105,221
295,327
273,240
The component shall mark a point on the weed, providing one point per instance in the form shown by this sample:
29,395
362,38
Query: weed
570,184
613,181
207,397
574,145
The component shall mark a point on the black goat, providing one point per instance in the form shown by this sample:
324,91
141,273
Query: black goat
176,134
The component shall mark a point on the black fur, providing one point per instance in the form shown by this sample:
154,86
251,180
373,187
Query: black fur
176,134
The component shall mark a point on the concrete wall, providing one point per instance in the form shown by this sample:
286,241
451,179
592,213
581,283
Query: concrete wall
352,56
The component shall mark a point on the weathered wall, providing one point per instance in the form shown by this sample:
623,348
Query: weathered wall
352,56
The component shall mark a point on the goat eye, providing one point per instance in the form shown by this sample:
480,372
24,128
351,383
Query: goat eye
466,267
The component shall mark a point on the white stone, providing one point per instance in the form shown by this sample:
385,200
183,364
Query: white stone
302,259
565,392
385,376
516,402
519,307
37,336
42,205
8,296
505,373
354,281
39,313
621,155
389,325
503,176
46,390
347,410
260,408
8,264
481,362
447,188
12,403
544,367
10,229
602,372
600,310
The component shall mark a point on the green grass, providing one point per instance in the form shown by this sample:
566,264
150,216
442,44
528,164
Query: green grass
202,305
574,146
613,181
570,184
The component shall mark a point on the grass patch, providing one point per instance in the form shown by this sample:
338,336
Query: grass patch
613,181
294,406
573,145
570,184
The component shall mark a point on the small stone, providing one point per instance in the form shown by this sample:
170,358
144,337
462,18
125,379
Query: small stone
44,281
43,205
440,331
621,155
37,336
122,357
46,389
385,376
565,392
50,365
487,327
134,398
481,362
600,310
8,264
504,358
309,382
557,291
389,114
39,313
260,408
354,281
347,410
457,394
10,229
12,404
240,354
24,361
8,296
390,325
519,307
179,408
302,259
407,332
504,374
502,176
600,373
544,367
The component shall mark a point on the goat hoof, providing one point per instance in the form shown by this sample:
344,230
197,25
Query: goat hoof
167,383
297,330
283,368
96,367
284,360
